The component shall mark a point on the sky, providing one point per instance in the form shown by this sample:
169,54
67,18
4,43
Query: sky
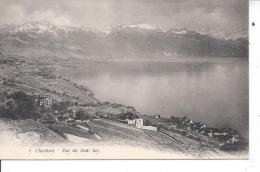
198,15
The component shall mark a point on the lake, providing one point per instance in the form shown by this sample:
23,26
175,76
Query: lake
213,92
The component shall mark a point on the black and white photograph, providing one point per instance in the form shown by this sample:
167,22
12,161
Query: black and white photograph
124,79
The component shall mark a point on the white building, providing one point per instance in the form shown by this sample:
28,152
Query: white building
139,122
45,101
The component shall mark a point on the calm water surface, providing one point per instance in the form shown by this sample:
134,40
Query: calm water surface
214,93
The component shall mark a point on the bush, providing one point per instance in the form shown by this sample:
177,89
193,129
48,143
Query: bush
19,105
127,115
60,106
81,115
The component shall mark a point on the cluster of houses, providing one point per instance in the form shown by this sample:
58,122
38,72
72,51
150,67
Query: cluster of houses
44,101
224,134
132,119
138,122
186,123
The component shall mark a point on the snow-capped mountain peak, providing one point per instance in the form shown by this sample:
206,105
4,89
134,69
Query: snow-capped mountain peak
181,31
142,39
35,26
39,27
142,26
106,31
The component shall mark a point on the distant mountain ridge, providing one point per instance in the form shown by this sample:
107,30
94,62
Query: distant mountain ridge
37,27
142,40
233,35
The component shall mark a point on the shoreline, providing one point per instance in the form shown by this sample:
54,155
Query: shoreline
192,111
36,80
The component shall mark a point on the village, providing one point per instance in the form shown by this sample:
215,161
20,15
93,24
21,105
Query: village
71,111
76,123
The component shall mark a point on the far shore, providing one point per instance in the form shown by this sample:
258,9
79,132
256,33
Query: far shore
35,95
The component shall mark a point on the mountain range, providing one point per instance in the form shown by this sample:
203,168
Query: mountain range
131,41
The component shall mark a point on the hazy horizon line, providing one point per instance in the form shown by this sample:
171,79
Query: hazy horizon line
120,25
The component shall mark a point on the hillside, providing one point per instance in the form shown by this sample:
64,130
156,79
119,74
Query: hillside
39,106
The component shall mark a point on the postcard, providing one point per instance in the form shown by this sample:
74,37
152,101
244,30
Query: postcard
124,79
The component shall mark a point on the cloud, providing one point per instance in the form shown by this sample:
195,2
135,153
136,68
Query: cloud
194,14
